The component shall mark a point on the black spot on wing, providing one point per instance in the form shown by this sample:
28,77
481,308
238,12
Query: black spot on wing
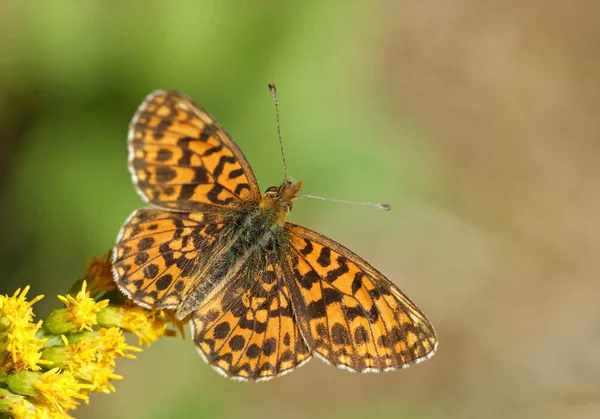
213,150
184,144
322,331
220,166
163,154
145,243
221,330
308,248
200,175
361,335
308,279
357,282
141,258
316,309
269,346
165,174
236,173
237,343
253,351
163,282
213,195
179,286
337,272
150,271
208,131
240,187
331,296
352,312
339,335
186,192
324,257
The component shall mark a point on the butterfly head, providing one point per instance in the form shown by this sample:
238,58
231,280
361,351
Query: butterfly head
279,198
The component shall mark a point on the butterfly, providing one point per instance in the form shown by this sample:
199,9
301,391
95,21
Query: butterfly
262,295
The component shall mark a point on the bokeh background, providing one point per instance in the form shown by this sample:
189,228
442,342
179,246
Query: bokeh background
478,121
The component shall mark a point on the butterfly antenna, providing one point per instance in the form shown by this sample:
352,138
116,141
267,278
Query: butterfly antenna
378,205
273,91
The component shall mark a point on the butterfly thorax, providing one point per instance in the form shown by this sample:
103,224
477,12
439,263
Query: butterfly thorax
278,199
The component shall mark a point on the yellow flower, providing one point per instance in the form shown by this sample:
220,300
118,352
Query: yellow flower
60,389
94,355
43,412
18,406
19,346
79,314
54,391
147,325
79,342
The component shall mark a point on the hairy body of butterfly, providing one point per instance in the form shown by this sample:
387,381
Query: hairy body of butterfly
262,294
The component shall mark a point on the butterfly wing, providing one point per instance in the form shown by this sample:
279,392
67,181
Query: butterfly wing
158,252
181,158
249,332
349,313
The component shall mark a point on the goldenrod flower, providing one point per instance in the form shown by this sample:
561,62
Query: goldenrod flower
18,332
48,368
147,325
57,391
18,406
94,356
79,314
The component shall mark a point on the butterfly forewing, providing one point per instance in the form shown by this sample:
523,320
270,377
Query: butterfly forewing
349,313
181,158
249,331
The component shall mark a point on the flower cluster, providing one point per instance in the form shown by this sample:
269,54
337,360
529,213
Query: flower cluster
48,367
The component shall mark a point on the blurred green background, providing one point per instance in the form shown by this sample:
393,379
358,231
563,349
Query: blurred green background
477,122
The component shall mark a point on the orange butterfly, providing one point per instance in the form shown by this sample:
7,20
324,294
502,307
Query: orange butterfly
262,294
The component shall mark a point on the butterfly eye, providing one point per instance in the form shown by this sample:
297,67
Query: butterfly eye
272,191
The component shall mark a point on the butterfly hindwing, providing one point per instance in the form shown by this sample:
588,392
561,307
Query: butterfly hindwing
157,252
249,332
181,158
349,313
